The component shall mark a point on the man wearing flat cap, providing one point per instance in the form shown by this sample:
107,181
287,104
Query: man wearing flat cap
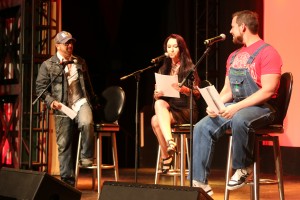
71,86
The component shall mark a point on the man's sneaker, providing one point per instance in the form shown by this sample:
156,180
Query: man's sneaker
240,178
86,162
205,187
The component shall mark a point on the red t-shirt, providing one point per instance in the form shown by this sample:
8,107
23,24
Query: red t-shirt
268,61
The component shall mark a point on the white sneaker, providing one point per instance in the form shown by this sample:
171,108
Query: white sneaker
205,187
240,178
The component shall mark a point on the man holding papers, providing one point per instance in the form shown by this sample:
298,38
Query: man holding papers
68,96
172,102
252,79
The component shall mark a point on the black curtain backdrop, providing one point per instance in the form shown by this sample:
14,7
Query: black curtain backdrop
118,37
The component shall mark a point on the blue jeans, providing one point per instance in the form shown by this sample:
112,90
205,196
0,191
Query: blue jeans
64,127
207,132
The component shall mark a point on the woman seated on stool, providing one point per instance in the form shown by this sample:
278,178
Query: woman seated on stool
169,110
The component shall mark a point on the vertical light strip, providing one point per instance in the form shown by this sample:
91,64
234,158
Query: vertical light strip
281,28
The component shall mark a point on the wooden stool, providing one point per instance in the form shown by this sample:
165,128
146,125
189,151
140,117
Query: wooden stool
108,127
101,130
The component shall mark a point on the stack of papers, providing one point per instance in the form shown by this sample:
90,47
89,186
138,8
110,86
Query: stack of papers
212,98
68,111
164,83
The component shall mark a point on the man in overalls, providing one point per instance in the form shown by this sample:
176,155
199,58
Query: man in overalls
252,79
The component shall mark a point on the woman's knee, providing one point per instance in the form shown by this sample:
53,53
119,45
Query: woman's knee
154,121
160,104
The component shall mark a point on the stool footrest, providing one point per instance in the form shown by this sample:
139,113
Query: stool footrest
90,167
268,181
104,166
172,172
264,182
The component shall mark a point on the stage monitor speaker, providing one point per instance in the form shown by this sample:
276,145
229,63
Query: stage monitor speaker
32,185
133,191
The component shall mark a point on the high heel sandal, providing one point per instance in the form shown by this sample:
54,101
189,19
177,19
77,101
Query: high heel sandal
172,149
166,164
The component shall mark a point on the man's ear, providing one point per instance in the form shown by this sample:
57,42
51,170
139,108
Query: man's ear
243,27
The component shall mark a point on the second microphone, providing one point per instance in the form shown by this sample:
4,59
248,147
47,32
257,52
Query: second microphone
159,58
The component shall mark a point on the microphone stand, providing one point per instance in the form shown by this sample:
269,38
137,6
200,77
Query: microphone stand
136,74
190,77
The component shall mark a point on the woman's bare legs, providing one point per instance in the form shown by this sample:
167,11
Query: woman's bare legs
160,137
161,125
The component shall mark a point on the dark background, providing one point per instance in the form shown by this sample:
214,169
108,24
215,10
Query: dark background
119,37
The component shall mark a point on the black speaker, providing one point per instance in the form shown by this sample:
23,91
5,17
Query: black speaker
134,191
27,184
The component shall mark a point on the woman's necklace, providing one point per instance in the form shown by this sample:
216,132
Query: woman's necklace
175,68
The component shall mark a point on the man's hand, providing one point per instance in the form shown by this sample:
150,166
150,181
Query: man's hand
55,105
211,113
229,111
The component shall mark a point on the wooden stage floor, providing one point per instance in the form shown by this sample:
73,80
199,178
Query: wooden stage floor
217,182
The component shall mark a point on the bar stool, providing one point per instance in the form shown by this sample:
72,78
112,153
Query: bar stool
180,133
115,100
94,167
101,130
108,130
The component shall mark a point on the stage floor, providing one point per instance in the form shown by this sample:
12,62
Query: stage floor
216,181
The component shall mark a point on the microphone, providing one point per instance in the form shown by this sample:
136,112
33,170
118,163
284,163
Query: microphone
159,58
64,63
210,41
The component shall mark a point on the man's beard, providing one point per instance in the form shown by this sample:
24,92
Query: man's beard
238,40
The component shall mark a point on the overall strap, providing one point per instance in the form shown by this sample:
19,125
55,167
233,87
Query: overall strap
252,57
235,53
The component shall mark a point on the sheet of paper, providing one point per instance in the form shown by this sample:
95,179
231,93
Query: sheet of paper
68,111
212,98
164,84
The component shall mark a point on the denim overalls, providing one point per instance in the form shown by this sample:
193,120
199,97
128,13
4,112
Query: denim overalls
208,130
241,83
